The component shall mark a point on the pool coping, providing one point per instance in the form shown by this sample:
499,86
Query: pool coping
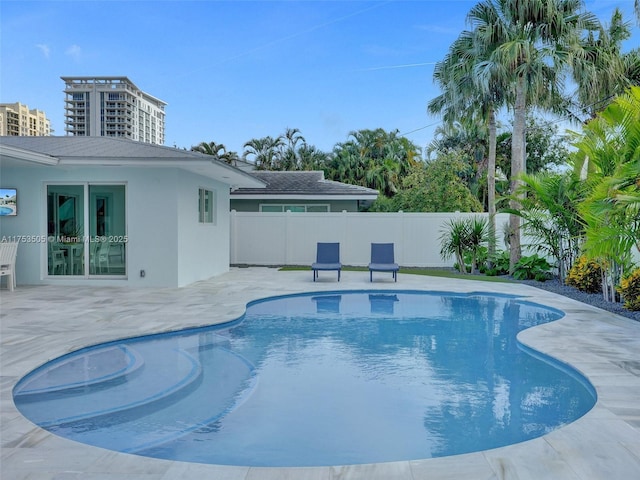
605,443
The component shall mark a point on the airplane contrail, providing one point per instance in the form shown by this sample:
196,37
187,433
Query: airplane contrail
390,67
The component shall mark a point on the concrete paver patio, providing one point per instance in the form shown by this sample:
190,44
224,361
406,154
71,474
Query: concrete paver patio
44,322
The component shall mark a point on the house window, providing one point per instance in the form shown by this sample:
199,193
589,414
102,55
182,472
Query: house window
317,208
206,206
271,208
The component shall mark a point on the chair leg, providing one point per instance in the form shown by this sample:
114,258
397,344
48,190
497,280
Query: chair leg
370,276
338,275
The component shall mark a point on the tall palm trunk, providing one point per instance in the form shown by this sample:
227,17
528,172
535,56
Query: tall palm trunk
518,166
491,185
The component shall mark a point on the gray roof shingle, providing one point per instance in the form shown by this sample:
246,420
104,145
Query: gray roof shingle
98,147
97,151
302,183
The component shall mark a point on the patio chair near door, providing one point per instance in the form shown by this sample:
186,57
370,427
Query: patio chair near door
327,258
8,253
57,262
382,260
99,258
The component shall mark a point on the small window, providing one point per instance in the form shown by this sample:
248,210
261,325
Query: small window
317,208
206,206
294,208
271,208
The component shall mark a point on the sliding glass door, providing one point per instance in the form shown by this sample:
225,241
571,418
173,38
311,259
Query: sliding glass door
107,249
65,229
86,226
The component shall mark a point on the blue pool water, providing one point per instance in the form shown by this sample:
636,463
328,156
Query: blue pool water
317,379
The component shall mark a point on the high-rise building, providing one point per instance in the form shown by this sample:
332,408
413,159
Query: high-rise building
16,119
112,107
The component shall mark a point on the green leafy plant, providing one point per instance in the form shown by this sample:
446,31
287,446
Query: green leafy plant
481,259
453,242
532,267
585,275
478,235
629,288
464,238
500,262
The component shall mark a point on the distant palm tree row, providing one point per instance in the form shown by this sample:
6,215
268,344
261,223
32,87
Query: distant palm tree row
373,158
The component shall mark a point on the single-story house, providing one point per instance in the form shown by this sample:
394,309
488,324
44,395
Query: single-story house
300,191
111,211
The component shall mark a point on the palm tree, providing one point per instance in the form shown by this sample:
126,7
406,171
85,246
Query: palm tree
550,216
289,150
469,96
230,157
212,148
453,241
373,158
263,152
609,152
603,71
465,236
536,40
311,158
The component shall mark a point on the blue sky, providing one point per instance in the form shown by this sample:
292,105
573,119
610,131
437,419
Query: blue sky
231,71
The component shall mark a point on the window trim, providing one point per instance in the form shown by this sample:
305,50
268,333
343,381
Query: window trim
207,216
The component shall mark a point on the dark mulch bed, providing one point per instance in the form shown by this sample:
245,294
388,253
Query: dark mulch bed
594,299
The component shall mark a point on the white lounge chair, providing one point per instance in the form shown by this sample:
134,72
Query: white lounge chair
8,253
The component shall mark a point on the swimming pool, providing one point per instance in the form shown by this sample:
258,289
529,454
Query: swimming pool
317,379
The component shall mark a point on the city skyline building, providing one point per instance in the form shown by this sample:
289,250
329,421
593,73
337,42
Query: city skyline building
112,107
16,119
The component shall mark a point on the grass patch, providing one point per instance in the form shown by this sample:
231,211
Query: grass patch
430,272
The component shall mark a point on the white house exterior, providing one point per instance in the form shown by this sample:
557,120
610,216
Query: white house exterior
163,212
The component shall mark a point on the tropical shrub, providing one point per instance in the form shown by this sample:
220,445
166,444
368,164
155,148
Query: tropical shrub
500,264
481,259
585,275
453,242
533,267
464,238
549,216
629,288
608,153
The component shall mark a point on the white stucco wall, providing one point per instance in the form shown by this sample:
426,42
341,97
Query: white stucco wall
204,247
162,216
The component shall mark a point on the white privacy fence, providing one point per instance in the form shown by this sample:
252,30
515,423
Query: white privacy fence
290,238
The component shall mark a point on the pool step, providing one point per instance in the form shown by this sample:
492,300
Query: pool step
155,376
148,403
217,392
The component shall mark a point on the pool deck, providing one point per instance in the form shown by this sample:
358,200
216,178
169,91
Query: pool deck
41,323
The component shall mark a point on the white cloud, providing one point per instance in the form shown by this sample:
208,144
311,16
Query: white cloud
44,49
74,51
